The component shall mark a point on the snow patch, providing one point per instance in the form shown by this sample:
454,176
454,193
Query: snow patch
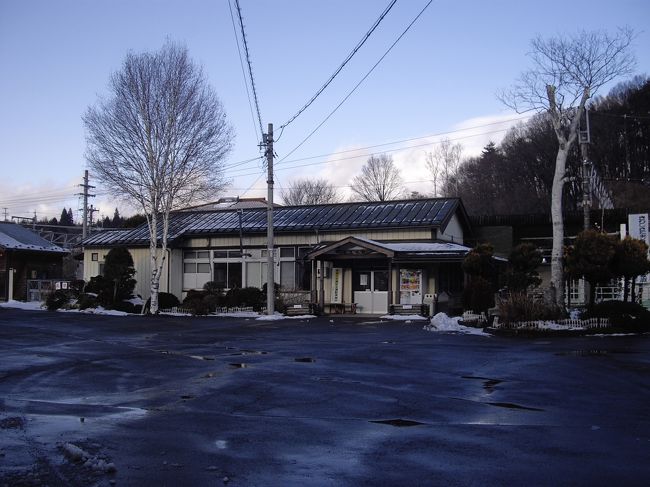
237,314
443,323
403,317
30,305
274,317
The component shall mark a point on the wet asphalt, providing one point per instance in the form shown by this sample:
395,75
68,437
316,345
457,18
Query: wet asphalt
327,401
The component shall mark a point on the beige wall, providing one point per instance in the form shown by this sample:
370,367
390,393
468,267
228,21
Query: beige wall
142,265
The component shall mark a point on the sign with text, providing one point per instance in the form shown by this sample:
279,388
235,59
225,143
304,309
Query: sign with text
337,285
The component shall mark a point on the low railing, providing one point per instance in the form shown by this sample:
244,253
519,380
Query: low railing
544,325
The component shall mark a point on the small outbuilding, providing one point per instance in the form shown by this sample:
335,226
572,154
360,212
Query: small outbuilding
29,264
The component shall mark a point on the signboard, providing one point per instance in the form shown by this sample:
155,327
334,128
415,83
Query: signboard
410,286
337,285
638,228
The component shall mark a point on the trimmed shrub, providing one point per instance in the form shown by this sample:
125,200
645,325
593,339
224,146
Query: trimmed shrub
165,301
212,287
127,307
478,295
247,296
521,307
103,288
628,316
85,301
58,299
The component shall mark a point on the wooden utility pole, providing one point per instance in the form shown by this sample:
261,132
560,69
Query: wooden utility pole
270,265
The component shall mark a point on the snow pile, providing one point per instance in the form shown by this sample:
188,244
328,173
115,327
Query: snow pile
77,455
300,317
274,317
237,314
403,317
31,305
95,311
443,323
135,301
551,325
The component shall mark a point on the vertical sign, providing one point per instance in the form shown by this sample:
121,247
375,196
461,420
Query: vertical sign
638,228
337,284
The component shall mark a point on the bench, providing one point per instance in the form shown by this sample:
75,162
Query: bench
409,309
299,309
341,308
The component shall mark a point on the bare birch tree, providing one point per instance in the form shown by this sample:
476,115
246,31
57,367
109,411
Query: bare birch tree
443,163
379,180
566,72
310,192
158,140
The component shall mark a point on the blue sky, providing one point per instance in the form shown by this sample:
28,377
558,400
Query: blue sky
56,58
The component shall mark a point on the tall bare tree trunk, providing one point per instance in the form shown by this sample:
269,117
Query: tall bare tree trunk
557,219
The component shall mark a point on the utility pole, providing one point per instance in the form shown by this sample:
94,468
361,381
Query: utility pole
5,211
85,195
270,265
91,210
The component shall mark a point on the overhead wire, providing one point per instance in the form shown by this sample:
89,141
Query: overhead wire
359,83
250,67
399,149
341,66
258,135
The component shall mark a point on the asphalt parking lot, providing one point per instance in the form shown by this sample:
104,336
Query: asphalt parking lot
100,400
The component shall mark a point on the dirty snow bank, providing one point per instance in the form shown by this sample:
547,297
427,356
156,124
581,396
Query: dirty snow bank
32,305
443,323
403,317
77,455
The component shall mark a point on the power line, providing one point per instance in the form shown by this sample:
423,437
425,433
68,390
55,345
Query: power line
243,70
383,144
359,83
250,67
399,149
341,66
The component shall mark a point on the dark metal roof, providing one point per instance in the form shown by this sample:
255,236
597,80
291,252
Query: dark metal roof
429,213
17,237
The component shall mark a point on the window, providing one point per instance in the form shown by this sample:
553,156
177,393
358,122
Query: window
227,274
196,268
220,254
94,257
288,274
287,252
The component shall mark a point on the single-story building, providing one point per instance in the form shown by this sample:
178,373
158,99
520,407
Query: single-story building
29,264
373,254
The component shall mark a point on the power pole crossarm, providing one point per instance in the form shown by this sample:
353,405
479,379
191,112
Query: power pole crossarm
85,195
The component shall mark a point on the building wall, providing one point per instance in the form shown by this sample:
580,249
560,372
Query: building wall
142,265
453,232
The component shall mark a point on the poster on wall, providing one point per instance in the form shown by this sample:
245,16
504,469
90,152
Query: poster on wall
337,285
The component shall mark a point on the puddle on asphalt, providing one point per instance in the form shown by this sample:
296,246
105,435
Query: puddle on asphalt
509,405
398,423
221,444
388,341
239,366
305,360
187,396
593,353
210,375
248,352
200,357
488,384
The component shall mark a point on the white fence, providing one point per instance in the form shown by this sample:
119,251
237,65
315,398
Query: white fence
549,325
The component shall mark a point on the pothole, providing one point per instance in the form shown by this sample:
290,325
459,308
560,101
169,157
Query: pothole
305,359
398,423
187,396
509,405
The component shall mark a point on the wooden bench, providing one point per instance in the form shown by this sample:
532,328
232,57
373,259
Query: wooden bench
409,309
299,309
341,308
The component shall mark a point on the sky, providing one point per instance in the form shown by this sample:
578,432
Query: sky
439,80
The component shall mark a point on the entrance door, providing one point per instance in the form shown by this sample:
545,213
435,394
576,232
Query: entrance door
371,291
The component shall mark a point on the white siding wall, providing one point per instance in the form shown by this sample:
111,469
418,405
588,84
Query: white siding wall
453,232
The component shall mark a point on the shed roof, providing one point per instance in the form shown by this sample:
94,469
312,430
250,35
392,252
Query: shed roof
428,213
17,237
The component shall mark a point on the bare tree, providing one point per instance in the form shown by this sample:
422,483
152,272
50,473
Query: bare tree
379,180
443,163
158,140
566,72
310,192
